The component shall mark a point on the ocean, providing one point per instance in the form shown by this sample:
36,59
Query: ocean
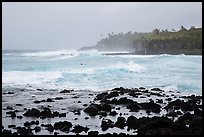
95,71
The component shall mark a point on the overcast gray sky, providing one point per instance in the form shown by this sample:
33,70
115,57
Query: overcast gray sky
69,25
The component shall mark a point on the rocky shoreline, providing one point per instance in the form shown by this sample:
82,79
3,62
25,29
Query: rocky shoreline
119,111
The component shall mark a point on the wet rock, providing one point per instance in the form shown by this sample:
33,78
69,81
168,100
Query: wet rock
49,100
156,89
188,106
93,133
112,94
92,109
119,89
11,126
131,120
77,112
14,133
154,126
168,99
118,108
142,97
79,102
62,115
197,111
196,124
179,112
35,122
24,131
58,98
156,108
142,88
79,129
27,123
37,101
19,105
105,107
56,133
106,123
178,103
186,118
134,107
43,100
66,91
50,128
63,126
159,101
10,92
32,113
85,105
171,113
46,113
102,113
86,118
75,97
55,114
133,94
101,96
178,126
122,134
121,122
37,129
11,113
75,118
113,113
9,107
157,94
148,111
19,117
6,132
124,100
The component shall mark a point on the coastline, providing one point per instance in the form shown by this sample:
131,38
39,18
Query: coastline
108,112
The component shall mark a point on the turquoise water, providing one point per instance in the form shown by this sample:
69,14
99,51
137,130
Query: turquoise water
93,70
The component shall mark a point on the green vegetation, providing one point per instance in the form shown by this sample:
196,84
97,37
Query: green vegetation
183,41
156,42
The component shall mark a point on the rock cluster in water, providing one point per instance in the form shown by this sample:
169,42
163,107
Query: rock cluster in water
183,115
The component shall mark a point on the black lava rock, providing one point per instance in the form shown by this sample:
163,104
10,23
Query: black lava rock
63,126
156,108
121,122
105,124
62,115
93,133
66,91
32,113
92,109
113,113
79,129
37,129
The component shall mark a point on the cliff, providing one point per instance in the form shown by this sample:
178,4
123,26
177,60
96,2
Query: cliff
156,42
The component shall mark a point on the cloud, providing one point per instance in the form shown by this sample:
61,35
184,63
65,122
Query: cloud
74,24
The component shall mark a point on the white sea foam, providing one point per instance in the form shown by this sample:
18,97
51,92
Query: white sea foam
130,66
50,53
28,77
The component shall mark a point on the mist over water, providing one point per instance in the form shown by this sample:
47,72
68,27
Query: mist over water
93,70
